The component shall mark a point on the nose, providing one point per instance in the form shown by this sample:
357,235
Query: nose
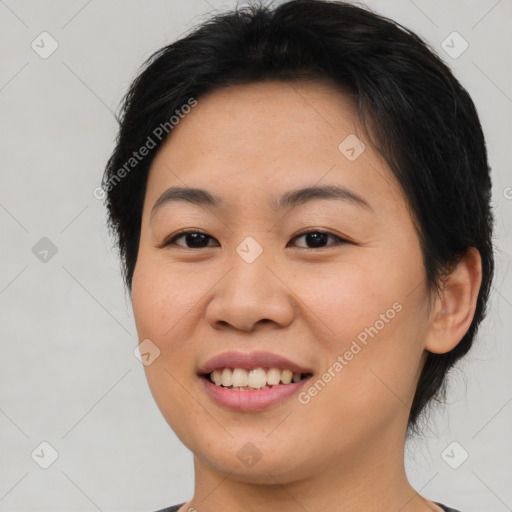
251,294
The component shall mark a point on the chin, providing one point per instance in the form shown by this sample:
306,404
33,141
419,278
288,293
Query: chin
263,467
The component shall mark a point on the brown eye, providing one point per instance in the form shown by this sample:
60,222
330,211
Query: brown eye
317,239
314,239
193,240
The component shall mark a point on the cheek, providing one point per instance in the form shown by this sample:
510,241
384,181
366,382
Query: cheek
366,313
160,305
161,297
344,298
366,386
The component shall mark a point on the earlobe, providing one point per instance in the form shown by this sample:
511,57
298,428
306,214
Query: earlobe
455,304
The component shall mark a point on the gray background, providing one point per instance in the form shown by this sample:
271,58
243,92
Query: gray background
68,373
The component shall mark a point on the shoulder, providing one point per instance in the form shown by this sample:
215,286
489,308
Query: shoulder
445,508
173,508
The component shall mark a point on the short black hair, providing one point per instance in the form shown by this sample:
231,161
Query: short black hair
423,123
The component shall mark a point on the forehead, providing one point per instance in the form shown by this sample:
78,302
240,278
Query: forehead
283,114
267,138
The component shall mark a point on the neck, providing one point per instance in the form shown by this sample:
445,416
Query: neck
371,478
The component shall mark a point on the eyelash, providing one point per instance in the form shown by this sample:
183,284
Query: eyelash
172,240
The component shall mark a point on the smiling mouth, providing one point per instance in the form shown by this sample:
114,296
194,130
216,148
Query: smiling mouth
240,379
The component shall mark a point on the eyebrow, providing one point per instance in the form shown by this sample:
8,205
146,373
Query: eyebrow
292,198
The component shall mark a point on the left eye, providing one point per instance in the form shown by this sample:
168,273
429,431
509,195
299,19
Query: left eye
317,238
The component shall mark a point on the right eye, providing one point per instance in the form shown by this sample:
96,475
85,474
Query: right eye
195,239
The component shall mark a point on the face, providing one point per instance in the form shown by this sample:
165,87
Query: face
346,303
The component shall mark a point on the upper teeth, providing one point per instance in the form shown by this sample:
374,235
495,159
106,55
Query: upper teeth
256,378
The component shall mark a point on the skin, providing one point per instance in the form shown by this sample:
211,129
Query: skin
249,144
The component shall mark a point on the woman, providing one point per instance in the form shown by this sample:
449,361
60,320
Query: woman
301,199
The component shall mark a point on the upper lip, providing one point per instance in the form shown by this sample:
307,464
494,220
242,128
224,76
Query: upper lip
251,360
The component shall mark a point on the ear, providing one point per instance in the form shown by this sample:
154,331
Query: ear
455,304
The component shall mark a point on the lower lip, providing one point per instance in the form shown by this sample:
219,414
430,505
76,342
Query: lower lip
251,400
